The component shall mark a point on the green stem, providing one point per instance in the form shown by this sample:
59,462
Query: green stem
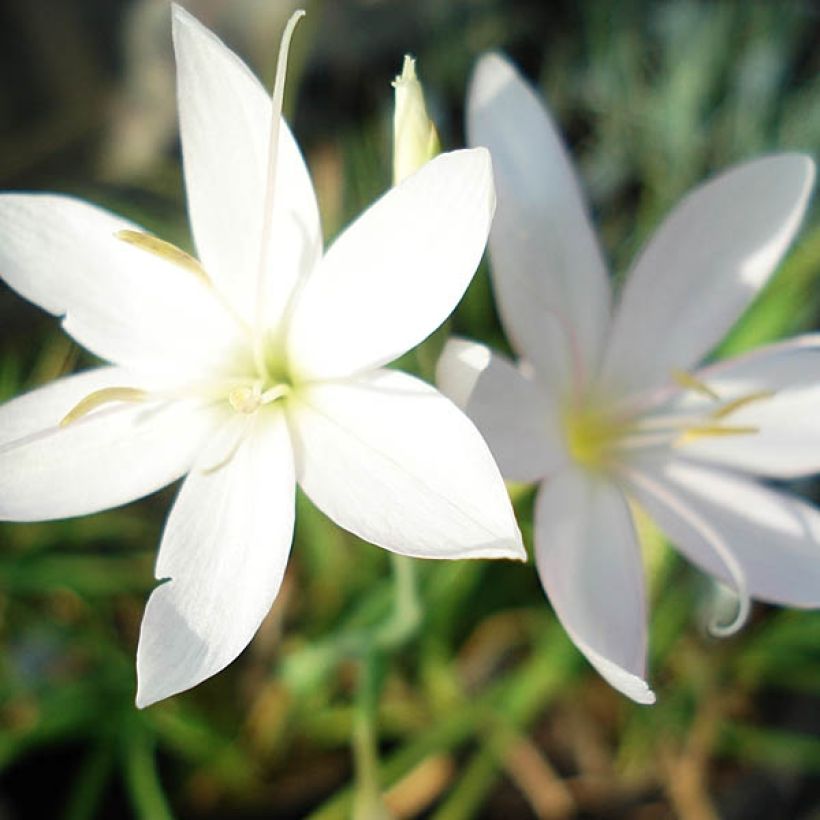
367,801
142,778
513,701
406,615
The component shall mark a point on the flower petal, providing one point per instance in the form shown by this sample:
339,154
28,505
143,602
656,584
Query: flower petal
787,442
774,536
397,272
124,304
518,419
106,458
589,562
549,275
703,267
225,549
390,459
225,117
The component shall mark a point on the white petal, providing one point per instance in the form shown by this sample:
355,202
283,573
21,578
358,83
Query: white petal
787,441
225,549
397,272
517,418
774,536
387,457
704,265
111,456
549,275
225,117
121,302
589,562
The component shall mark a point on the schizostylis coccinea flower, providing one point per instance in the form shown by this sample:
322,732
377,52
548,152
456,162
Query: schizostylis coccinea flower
610,406
256,365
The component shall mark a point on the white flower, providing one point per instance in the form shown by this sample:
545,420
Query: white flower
261,366
604,404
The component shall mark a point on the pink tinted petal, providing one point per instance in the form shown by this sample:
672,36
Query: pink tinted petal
549,275
518,420
589,562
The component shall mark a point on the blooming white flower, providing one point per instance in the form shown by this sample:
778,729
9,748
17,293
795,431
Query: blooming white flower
258,366
604,406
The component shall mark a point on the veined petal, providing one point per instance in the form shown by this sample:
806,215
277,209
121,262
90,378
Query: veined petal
774,536
225,117
589,562
121,302
549,275
390,459
518,420
111,456
786,443
225,549
398,271
702,268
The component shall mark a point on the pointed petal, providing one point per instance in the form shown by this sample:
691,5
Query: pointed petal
397,272
549,275
589,562
121,302
225,119
516,417
702,268
774,536
109,457
787,442
225,549
390,459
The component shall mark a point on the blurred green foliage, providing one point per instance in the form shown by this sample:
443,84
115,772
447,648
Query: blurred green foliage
481,706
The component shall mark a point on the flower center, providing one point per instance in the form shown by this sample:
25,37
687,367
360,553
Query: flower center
591,435
598,436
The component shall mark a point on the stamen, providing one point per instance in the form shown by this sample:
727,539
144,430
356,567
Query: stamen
246,399
688,382
98,398
712,540
164,250
273,152
273,393
736,404
714,430
249,398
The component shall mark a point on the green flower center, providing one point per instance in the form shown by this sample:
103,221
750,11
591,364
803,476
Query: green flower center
591,435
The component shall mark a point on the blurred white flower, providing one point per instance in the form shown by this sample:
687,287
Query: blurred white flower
605,407
259,365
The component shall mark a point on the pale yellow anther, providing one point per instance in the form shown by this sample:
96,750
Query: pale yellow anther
735,405
714,431
688,382
245,399
107,395
164,250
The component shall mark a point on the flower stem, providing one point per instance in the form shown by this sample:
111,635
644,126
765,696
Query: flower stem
406,615
367,800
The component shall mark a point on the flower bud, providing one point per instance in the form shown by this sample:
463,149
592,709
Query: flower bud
415,139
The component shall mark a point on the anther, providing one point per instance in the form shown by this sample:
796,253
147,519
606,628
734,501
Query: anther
164,250
689,382
245,399
107,395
